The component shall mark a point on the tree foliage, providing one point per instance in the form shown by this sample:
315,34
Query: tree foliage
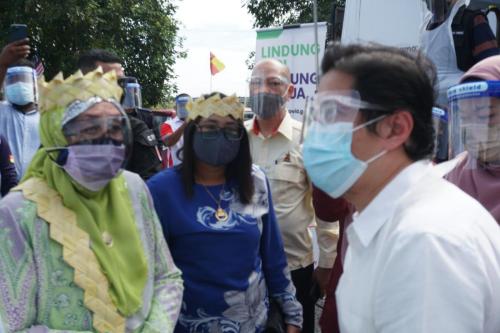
269,13
142,32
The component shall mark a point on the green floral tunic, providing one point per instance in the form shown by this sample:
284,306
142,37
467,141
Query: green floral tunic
37,292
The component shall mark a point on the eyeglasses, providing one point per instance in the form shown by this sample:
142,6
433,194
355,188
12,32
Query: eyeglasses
92,128
211,132
274,84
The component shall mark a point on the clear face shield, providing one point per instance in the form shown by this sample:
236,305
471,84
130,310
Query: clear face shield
99,142
441,128
21,85
132,98
329,108
268,94
94,129
475,122
439,9
180,106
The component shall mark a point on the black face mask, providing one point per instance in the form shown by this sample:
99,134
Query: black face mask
266,105
218,151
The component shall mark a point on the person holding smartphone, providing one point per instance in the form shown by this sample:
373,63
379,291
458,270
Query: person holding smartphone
19,117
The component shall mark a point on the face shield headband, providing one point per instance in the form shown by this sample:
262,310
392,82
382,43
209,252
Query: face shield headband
475,121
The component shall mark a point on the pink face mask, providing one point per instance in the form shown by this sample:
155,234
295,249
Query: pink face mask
93,166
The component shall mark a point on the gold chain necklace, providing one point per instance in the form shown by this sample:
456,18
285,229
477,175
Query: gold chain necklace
220,214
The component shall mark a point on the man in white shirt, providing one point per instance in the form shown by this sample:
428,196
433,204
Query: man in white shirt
423,256
19,116
174,141
275,146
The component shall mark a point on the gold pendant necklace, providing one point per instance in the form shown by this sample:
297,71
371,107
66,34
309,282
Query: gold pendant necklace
220,214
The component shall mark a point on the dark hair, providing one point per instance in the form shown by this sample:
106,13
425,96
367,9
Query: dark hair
238,171
23,62
394,79
87,61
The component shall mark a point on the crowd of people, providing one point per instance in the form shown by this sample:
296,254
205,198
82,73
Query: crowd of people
98,234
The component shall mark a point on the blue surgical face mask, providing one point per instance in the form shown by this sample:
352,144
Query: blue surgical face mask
20,93
328,159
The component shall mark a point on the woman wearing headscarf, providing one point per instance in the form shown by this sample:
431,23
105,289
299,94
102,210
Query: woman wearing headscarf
81,249
219,222
475,111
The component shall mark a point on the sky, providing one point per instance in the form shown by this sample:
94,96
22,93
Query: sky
223,27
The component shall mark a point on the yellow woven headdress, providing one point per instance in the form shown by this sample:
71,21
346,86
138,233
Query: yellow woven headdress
227,106
61,92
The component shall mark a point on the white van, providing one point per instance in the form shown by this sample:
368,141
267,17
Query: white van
392,22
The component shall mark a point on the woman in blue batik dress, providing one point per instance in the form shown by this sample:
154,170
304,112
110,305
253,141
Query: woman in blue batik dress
219,222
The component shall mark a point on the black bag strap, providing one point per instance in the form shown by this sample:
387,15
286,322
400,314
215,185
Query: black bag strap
462,28
496,11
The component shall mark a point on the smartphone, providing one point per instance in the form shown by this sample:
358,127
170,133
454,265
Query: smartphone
17,32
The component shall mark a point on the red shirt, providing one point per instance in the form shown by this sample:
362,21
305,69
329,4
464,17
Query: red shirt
331,210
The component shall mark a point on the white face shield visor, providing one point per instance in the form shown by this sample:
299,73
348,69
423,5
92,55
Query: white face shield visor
475,121
132,96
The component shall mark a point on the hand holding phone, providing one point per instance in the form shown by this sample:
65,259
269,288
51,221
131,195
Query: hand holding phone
13,52
17,45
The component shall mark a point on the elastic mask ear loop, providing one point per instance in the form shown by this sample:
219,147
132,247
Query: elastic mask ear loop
376,157
368,123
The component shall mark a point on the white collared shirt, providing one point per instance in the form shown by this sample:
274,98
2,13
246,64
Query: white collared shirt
175,123
423,257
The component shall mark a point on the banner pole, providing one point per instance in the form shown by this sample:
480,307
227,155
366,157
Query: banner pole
316,58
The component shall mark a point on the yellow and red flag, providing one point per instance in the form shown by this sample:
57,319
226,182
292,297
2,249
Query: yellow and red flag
215,64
